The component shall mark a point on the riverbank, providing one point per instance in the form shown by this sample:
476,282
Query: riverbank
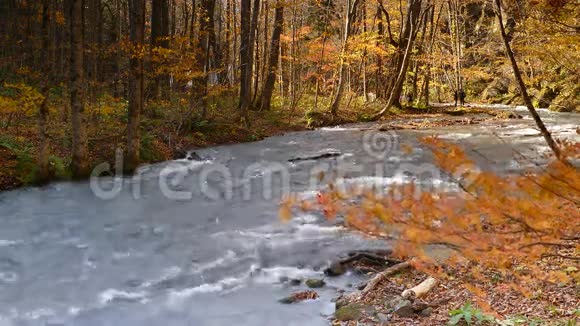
164,138
453,300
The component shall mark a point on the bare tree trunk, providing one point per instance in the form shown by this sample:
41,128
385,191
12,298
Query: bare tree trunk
350,17
43,150
253,31
137,37
432,32
79,163
268,88
245,57
403,56
199,84
523,89
159,35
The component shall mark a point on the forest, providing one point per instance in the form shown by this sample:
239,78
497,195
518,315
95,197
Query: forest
81,78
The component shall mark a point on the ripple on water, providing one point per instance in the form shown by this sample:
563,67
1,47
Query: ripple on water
115,295
10,270
177,297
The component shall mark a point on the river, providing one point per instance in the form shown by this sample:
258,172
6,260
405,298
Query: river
200,242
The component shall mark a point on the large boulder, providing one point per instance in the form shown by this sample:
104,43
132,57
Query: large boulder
496,89
568,100
545,97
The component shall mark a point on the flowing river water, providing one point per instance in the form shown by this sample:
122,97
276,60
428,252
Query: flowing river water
200,242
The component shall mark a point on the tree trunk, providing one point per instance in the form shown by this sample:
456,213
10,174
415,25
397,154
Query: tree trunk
268,88
523,89
43,150
137,38
253,36
159,35
79,163
350,17
199,84
432,31
245,57
403,54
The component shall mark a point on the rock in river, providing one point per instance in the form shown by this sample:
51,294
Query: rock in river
335,269
315,283
299,296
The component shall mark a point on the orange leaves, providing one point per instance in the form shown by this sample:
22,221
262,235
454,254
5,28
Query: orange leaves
504,223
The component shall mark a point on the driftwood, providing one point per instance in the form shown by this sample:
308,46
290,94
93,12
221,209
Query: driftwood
421,289
372,284
315,157
371,260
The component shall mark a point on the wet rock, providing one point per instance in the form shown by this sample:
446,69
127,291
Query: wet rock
314,283
383,318
353,311
335,269
399,306
341,301
179,154
295,282
299,296
193,156
426,312
405,309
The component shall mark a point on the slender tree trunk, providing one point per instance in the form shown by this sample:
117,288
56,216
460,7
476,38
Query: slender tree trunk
432,31
253,36
268,88
352,6
159,35
523,89
403,56
136,96
245,57
79,163
199,86
364,59
43,147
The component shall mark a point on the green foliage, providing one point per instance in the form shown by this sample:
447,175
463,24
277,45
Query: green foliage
26,169
148,150
19,98
470,315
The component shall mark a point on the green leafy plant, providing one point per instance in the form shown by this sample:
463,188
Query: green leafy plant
470,315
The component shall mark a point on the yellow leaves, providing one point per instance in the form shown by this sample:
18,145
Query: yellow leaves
285,210
20,98
408,150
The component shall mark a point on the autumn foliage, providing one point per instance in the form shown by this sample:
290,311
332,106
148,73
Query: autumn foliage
507,224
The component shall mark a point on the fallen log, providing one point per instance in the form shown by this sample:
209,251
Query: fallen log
421,289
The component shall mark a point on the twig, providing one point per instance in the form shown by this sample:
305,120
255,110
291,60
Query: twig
561,256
